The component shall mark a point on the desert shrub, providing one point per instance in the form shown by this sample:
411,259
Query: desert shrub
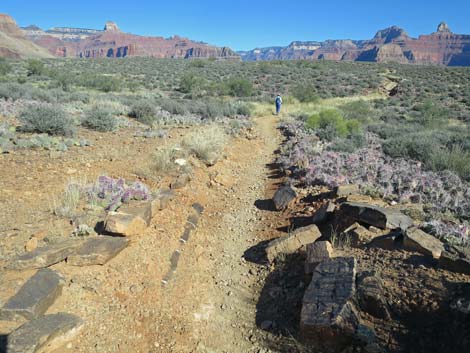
349,144
243,108
239,87
454,159
207,144
5,67
331,123
416,146
144,111
358,110
67,204
172,106
164,159
49,119
104,83
431,115
35,67
198,63
305,93
100,119
190,82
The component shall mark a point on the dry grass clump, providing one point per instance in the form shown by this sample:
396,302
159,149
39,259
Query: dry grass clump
206,144
165,159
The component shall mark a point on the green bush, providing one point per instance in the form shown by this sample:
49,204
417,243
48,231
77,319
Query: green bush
144,111
239,87
454,159
431,115
333,124
305,93
190,83
100,119
35,67
358,110
49,119
5,67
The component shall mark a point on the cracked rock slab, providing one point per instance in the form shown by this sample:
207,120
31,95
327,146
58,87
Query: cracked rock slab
380,217
289,244
48,331
34,297
328,314
97,251
45,256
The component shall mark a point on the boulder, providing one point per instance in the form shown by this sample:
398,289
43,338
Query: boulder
289,244
384,218
51,331
161,199
34,297
283,197
45,256
359,235
316,253
417,240
370,296
328,314
97,251
130,220
323,213
347,190
455,259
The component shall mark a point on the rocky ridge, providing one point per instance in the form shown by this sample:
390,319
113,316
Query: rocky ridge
392,44
111,42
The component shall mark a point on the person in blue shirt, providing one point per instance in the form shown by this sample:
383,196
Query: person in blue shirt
278,104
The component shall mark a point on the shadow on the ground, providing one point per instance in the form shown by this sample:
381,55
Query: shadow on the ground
3,343
445,330
256,254
280,302
265,205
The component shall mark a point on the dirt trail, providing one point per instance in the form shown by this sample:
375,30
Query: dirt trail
215,291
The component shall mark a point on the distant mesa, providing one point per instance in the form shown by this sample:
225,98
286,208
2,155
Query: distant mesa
391,44
111,42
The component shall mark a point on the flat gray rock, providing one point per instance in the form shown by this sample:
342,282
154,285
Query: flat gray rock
34,297
283,197
51,331
417,240
328,314
292,242
45,256
97,251
380,217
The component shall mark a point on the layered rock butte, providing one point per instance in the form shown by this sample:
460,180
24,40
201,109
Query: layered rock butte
392,44
113,43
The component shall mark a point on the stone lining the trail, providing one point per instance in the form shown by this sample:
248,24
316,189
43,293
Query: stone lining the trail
324,212
380,217
328,314
289,244
371,297
45,256
191,224
283,197
97,251
316,253
46,331
34,297
161,199
456,259
130,220
417,240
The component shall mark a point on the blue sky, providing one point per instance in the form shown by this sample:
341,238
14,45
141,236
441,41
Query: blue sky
246,24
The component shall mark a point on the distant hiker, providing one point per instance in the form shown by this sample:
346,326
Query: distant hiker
278,104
